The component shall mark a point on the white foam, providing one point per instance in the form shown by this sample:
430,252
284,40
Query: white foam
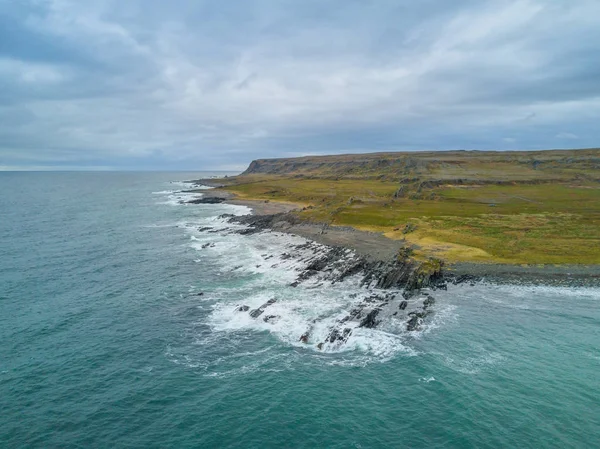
427,379
316,305
547,290
188,185
299,311
179,197
166,192
519,297
268,262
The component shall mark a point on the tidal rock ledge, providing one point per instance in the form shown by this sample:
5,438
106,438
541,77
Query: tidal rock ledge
396,286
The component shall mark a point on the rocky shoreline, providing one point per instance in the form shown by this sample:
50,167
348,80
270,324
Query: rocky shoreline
398,286
394,286
376,246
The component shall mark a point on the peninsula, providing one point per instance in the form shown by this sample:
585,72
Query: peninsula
460,207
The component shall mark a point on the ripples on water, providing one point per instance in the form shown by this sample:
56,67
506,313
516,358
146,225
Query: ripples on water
105,341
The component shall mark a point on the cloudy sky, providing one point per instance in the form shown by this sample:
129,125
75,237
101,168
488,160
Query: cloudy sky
189,84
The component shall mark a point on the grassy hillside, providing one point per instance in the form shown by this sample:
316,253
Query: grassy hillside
508,207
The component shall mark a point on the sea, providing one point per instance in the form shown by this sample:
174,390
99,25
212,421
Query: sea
119,327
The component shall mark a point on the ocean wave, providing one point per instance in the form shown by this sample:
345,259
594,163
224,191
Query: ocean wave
313,316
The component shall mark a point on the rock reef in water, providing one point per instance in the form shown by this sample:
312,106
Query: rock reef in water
396,286
207,200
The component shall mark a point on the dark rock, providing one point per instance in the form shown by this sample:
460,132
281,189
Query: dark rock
206,200
413,323
243,308
333,336
333,264
370,320
464,278
429,301
257,312
271,318
200,294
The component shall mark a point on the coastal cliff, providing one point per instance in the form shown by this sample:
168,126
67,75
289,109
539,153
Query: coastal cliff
407,225
509,166
502,208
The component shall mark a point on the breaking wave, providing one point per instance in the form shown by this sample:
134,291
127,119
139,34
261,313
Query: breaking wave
263,289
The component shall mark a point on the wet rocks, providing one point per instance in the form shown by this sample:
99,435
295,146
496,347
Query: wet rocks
258,312
206,200
428,302
242,308
260,223
465,278
370,320
414,323
416,318
396,299
339,336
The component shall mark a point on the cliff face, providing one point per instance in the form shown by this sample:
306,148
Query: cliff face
446,165
538,207
339,164
285,166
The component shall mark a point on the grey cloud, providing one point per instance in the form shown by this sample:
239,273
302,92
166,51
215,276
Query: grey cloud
154,84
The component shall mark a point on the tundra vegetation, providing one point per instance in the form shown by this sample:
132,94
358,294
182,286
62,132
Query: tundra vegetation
539,207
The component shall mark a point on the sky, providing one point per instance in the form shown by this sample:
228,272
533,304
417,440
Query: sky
212,85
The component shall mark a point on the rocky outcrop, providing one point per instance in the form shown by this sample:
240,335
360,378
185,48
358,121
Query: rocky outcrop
396,286
257,312
206,200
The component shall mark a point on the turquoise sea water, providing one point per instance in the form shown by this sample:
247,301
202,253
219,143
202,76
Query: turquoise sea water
104,341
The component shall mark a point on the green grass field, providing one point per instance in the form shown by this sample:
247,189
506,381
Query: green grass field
501,208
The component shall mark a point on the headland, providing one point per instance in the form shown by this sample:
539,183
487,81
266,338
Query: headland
501,215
